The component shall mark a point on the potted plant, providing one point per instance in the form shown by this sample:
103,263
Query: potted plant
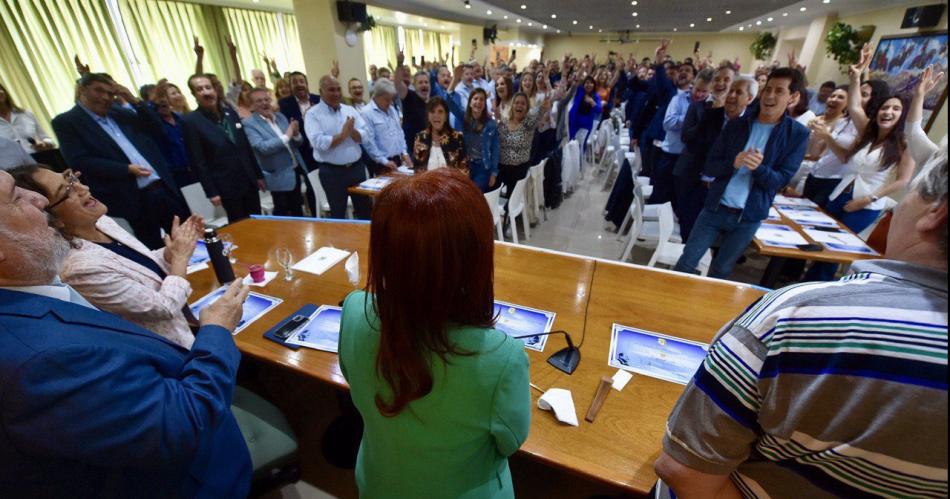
763,46
366,25
843,42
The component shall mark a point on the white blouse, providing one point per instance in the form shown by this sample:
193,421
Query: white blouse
864,171
22,127
436,158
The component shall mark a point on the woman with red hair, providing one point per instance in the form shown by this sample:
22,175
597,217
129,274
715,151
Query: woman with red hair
438,388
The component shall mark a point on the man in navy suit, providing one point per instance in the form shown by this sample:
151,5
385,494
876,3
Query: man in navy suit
116,150
220,153
295,107
94,406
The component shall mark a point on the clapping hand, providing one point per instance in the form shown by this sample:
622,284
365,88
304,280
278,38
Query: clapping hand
180,243
750,159
227,310
292,129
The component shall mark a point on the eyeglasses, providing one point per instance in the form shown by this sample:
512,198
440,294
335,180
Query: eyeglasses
71,180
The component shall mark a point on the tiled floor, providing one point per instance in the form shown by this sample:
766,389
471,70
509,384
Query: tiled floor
578,226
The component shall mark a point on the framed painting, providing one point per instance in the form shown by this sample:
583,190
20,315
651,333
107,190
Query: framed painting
899,60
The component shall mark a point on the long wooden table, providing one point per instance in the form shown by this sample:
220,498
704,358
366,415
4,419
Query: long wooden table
778,255
588,295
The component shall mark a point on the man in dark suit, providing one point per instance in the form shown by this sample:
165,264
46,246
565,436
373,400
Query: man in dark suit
94,406
220,154
295,107
699,135
115,148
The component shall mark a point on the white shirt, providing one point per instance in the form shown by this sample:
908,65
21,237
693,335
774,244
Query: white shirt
864,171
829,165
322,123
436,158
22,127
304,105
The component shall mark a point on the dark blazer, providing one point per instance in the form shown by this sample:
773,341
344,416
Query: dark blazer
290,109
87,148
224,168
701,128
94,406
783,153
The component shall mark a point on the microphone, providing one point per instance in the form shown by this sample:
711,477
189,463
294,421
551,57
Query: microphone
565,359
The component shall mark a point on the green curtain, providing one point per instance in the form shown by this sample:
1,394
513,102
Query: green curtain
294,52
38,39
162,37
414,47
445,47
257,33
380,45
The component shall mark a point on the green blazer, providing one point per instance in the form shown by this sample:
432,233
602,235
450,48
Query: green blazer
455,441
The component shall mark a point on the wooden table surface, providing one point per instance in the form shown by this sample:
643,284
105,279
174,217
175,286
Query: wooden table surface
824,255
588,295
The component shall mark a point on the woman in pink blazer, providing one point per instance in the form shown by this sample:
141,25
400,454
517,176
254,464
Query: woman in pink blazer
111,268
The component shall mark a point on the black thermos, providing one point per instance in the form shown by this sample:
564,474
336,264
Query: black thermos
219,261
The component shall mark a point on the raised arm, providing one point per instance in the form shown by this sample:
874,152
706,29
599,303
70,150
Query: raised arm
400,76
232,52
855,109
199,57
81,68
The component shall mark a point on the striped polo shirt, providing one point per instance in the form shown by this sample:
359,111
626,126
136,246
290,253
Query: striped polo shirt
826,390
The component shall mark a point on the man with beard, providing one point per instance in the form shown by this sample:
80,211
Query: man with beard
414,118
295,107
94,406
220,154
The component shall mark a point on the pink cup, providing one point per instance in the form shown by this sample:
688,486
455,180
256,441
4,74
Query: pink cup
257,272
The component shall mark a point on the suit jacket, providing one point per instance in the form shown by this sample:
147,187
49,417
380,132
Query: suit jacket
477,414
783,153
118,285
94,406
87,148
701,128
277,158
224,168
291,110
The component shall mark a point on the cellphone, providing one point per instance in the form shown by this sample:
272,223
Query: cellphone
290,327
826,229
696,47
810,247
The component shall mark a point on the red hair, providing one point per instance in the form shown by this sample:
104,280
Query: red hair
431,266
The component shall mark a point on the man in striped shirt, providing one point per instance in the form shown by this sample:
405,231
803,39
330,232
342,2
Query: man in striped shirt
829,389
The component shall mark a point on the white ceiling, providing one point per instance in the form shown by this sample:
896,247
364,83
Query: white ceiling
595,16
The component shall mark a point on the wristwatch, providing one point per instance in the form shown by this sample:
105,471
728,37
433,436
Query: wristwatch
874,198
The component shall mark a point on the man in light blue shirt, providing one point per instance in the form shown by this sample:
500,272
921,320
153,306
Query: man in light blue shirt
673,117
737,190
336,131
385,141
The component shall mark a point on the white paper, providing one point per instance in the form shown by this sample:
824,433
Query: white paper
195,268
268,277
321,331
774,215
376,184
255,306
405,170
352,267
321,260
782,236
840,241
621,378
787,201
560,401
808,216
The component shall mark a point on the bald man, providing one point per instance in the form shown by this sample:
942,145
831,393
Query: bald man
335,131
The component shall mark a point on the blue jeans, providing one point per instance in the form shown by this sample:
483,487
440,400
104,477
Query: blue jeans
857,221
479,174
711,226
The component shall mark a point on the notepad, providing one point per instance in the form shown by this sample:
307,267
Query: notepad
321,260
376,184
840,241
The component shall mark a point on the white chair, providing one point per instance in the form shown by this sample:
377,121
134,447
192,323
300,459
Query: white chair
493,198
636,218
267,202
570,165
197,202
320,196
537,179
516,206
669,252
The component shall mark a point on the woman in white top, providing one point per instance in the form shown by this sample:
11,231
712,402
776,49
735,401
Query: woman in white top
921,147
21,126
833,126
878,165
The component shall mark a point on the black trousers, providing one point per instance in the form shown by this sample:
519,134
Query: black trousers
662,178
509,175
159,206
336,180
239,208
690,197
288,203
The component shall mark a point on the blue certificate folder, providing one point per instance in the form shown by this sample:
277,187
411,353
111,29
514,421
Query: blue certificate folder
306,311
517,320
255,306
655,355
